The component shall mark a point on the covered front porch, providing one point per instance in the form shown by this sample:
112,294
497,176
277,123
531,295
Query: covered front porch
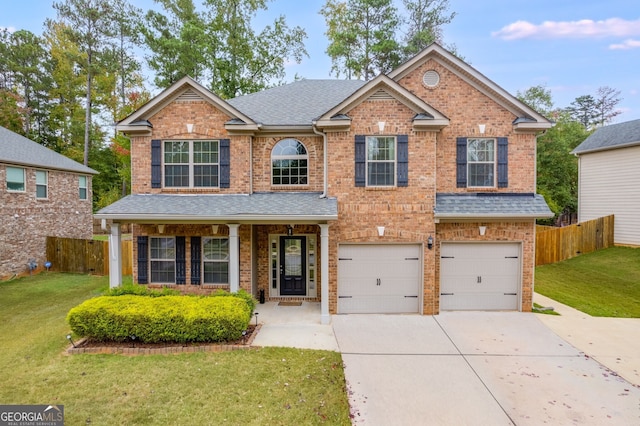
272,245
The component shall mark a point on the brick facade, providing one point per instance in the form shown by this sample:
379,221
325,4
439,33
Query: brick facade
27,221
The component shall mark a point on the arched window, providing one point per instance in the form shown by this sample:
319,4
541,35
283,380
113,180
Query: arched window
289,163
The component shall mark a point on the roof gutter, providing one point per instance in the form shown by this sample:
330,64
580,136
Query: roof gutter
245,218
325,184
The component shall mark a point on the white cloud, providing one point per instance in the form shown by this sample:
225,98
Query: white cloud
585,28
626,45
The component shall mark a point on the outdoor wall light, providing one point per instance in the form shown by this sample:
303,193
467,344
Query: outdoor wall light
71,340
289,230
430,242
482,229
381,231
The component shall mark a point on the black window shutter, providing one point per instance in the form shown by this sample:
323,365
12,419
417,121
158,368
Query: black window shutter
143,256
156,163
196,250
403,160
225,163
361,160
181,260
461,162
503,162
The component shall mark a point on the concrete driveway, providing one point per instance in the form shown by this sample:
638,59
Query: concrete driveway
475,368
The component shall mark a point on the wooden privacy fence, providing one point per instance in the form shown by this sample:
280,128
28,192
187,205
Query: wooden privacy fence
85,256
557,244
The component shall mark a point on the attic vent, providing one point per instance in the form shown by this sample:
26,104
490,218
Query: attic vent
431,78
381,95
189,95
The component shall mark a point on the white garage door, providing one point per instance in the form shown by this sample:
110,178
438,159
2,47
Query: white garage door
379,278
479,276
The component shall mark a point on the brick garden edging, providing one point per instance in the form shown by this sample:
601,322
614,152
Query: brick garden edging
192,348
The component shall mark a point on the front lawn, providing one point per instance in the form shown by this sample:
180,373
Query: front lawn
605,283
278,386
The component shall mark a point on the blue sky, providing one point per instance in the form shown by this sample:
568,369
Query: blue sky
571,47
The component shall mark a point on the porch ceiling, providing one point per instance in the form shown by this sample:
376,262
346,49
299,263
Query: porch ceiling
271,207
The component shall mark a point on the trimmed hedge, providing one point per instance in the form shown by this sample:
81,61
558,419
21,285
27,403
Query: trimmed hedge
179,319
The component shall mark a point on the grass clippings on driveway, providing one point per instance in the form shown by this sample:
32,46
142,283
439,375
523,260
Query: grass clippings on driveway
275,386
605,283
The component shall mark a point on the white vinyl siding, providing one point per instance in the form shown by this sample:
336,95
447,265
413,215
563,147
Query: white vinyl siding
609,183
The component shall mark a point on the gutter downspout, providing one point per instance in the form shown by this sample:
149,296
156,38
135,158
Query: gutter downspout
324,145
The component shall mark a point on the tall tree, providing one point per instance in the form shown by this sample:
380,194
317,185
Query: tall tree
91,28
607,100
362,37
539,98
424,21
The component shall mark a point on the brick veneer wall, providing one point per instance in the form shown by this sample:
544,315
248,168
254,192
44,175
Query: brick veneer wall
27,221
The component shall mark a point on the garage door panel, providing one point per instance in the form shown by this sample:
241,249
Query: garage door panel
483,276
379,278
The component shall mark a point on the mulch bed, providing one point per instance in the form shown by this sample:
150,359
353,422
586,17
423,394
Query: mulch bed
86,346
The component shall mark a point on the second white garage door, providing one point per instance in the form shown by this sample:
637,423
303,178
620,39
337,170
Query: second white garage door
379,278
479,276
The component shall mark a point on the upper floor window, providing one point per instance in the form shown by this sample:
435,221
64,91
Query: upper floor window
189,164
15,179
289,163
42,183
381,161
82,187
481,162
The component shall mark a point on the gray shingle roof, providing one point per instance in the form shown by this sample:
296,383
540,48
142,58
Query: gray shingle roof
277,206
18,150
491,205
610,137
298,103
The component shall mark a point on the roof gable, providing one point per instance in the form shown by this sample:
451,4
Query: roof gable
18,150
611,137
527,119
382,87
184,89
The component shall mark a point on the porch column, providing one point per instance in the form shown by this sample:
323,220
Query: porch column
325,318
115,256
234,258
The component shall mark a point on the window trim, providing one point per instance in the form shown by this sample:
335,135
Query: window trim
85,187
204,260
24,179
394,172
191,164
152,260
45,184
494,162
299,157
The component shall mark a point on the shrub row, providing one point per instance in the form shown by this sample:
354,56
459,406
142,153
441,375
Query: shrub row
179,319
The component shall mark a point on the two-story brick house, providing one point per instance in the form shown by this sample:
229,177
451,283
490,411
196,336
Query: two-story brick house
413,192
42,193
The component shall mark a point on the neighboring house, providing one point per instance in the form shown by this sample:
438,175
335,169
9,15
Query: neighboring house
609,178
412,192
42,193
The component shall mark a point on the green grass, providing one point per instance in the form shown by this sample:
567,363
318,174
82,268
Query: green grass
605,283
275,386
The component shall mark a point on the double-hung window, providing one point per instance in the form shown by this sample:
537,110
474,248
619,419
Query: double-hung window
191,164
82,187
381,161
162,257
481,162
41,184
289,163
215,257
15,179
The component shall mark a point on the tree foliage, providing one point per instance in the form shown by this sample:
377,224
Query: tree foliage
596,111
365,36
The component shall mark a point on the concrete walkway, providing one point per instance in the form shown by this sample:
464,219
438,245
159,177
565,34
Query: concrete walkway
613,342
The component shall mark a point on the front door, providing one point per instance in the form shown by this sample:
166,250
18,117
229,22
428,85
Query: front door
293,277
